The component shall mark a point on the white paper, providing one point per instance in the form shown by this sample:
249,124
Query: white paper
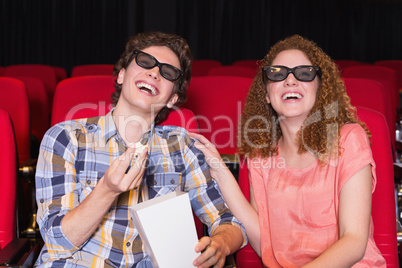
166,227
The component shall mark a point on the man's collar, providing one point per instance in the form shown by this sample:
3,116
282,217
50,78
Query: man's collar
108,126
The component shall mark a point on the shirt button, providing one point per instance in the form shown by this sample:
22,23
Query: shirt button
128,244
172,181
89,182
155,183
42,201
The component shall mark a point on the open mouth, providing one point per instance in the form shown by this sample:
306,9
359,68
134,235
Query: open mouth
146,88
292,96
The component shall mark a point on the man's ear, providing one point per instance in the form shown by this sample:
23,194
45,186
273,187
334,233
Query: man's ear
172,101
120,76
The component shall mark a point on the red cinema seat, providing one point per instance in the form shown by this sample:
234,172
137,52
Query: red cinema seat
229,70
386,76
15,101
246,257
342,64
253,64
82,96
383,203
371,94
182,117
44,72
393,64
8,182
61,73
217,102
39,107
201,67
14,252
92,69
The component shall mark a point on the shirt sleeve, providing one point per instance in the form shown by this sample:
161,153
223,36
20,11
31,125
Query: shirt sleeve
57,192
354,142
205,195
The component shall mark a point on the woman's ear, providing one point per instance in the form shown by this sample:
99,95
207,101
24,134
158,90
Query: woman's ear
172,101
267,98
120,76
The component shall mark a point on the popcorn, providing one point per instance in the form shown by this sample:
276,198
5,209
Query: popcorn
139,148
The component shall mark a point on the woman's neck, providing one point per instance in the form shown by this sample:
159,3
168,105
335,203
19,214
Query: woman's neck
290,129
289,146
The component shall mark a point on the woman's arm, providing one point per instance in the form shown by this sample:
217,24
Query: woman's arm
354,223
231,191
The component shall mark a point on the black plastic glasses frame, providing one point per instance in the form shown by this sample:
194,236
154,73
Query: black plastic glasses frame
294,71
162,66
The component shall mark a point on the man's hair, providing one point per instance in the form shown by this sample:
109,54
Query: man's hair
174,42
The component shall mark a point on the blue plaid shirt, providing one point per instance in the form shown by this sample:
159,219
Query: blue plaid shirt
74,156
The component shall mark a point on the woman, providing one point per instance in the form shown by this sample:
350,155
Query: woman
310,165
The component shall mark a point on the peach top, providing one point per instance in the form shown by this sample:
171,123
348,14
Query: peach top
298,208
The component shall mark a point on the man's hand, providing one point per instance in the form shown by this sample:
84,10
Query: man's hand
214,252
97,204
226,239
117,180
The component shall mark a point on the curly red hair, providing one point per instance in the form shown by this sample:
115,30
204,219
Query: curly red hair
259,129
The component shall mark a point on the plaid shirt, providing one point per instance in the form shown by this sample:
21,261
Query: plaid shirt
74,155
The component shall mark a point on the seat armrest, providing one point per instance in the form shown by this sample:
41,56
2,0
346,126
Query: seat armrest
29,258
398,173
232,161
14,251
28,169
230,262
231,158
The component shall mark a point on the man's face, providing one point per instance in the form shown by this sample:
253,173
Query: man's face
146,90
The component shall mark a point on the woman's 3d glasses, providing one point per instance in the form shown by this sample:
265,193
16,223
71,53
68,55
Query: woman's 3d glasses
304,73
147,61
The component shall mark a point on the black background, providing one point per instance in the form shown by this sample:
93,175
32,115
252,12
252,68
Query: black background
72,32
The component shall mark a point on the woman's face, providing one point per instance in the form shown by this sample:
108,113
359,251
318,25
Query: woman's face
292,98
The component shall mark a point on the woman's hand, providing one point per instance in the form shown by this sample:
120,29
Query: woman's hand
212,156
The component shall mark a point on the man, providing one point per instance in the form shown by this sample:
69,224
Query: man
89,172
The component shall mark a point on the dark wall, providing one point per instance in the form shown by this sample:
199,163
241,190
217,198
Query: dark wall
364,30
72,32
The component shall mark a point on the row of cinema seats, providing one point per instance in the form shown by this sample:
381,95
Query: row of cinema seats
41,81
226,95
14,251
244,68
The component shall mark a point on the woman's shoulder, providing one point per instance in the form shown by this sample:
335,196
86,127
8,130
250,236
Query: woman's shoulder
351,127
354,136
354,129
